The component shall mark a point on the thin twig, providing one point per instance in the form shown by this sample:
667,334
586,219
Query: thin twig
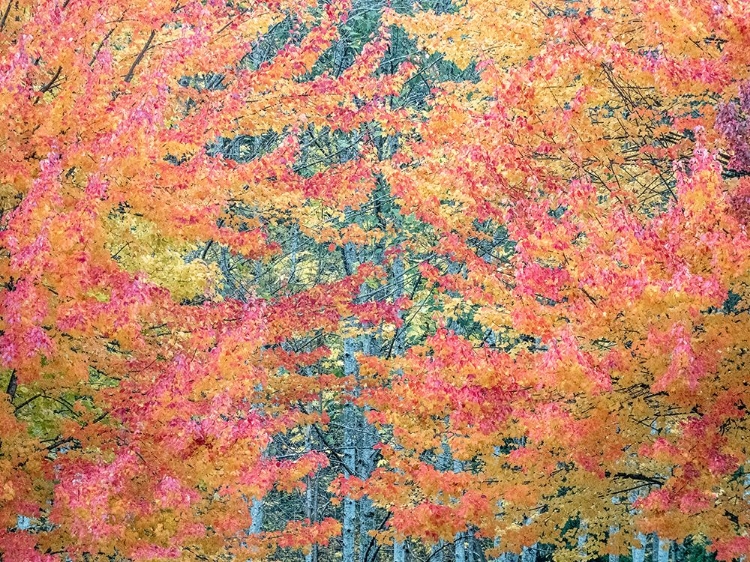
99,48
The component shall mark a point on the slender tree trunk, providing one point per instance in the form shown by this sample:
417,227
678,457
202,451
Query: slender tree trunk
459,548
529,553
293,257
399,347
638,553
613,557
351,428
662,548
459,542
350,455
679,552
399,551
437,551
366,463
366,507
256,516
583,537
505,556
311,498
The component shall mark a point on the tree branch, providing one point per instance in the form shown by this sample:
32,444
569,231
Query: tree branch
49,85
12,385
640,478
372,539
139,58
5,14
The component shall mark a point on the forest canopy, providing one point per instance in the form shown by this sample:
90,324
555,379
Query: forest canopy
370,280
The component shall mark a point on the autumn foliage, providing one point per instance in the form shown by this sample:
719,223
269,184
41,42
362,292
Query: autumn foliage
478,269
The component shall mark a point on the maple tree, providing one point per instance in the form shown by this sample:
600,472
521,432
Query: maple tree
608,359
140,401
364,281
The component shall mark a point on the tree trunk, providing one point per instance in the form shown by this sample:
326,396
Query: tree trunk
459,542
529,553
582,539
365,465
459,548
662,549
256,516
613,557
399,347
638,553
399,551
311,498
437,552
350,456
